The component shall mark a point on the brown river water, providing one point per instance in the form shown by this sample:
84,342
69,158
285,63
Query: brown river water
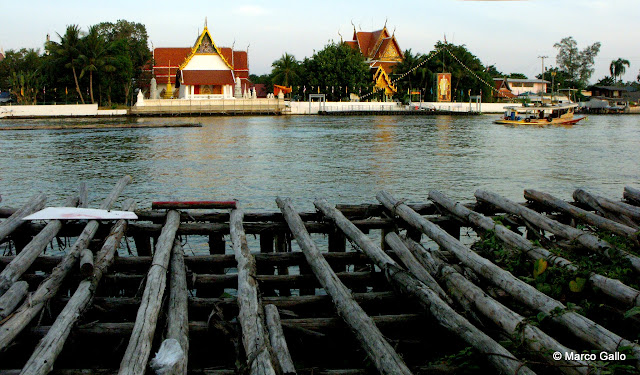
345,159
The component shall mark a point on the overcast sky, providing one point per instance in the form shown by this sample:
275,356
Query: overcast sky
509,34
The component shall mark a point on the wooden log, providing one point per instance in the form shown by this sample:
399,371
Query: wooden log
577,324
632,195
179,205
178,309
44,356
254,337
585,239
86,262
618,211
10,300
611,287
580,214
30,252
49,287
412,264
474,299
278,341
83,195
386,360
143,245
445,315
137,353
282,244
36,203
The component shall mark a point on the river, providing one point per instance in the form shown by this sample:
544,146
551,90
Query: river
345,159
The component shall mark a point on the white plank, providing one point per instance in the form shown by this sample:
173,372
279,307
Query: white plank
74,213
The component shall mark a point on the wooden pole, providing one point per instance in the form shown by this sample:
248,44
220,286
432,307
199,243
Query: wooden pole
386,360
445,315
580,214
12,298
475,299
618,211
178,314
577,324
44,356
36,203
49,287
632,195
587,240
135,357
611,287
29,253
278,341
251,319
179,205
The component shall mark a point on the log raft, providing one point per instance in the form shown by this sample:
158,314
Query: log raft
339,302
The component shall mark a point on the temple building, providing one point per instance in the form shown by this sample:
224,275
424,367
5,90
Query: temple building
205,71
382,52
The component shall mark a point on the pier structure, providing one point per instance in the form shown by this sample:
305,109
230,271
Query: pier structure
387,287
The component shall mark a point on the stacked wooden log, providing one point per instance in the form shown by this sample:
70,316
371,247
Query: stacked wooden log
388,288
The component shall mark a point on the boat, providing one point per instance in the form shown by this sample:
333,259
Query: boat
549,114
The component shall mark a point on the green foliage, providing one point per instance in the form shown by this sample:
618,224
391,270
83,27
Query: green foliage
617,68
577,64
466,359
286,71
517,76
335,70
21,74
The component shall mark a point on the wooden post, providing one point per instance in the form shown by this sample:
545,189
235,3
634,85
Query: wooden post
580,326
386,360
36,203
135,357
585,239
278,341
618,211
44,356
49,287
266,247
254,337
30,252
143,245
611,287
443,313
282,245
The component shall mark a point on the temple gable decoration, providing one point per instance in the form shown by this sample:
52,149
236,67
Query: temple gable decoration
382,53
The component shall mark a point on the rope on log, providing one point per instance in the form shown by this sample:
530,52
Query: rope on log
137,353
278,341
578,325
44,356
443,313
49,287
618,211
254,336
583,238
36,203
475,299
384,357
580,214
608,286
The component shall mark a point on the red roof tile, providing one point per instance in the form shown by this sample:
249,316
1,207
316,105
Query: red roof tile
207,77
240,60
175,56
364,39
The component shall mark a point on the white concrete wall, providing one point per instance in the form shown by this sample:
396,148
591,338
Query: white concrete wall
206,62
303,108
63,110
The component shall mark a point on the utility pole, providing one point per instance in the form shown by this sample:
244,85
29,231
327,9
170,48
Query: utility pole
542,58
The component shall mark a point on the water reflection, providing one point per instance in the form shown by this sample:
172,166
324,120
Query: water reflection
346,159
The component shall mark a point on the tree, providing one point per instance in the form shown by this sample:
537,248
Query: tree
419,78
336,70
285,70
68,52
578,64
517,76
617,68
93,57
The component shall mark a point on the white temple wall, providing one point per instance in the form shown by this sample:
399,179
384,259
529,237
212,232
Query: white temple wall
206,62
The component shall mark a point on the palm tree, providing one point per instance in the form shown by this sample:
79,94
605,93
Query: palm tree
285,70
94,55
68,51
617,68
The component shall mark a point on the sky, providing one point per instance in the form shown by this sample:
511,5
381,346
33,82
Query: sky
509,34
